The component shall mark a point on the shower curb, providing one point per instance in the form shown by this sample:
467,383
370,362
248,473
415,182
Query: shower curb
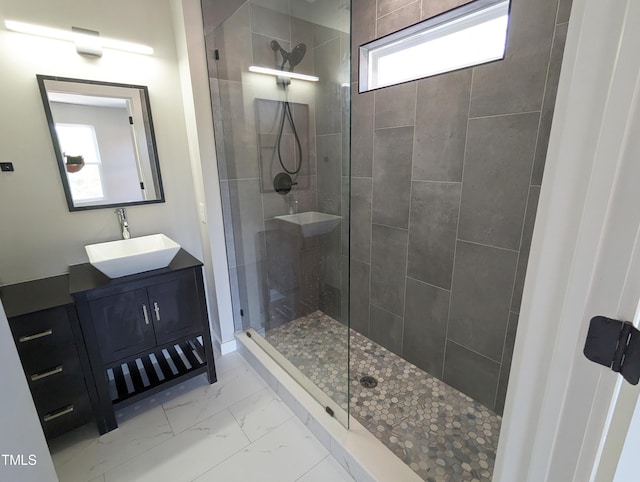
358,451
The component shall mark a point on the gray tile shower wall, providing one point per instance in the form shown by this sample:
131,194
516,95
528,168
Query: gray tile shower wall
446,176
278,275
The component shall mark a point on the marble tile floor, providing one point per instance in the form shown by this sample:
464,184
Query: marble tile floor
442,434
237,429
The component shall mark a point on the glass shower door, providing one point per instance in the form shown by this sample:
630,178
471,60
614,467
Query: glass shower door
280,75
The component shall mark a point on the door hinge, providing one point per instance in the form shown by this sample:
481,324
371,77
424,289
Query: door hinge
131,120
142,185
614,344
216,54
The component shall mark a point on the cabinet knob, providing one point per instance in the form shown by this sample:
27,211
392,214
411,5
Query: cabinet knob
146,314
157,310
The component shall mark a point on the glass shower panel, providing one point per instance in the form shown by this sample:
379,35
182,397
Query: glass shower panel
283,147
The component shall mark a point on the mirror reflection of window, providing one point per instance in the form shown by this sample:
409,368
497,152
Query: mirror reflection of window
80,140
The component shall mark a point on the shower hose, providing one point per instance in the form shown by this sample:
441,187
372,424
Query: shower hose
287,115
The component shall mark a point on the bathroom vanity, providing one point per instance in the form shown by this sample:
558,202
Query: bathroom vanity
90,344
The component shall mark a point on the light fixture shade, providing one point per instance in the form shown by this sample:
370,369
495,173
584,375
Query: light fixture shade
87,42
283,73
79,36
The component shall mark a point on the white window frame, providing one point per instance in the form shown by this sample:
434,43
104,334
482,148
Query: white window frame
456,20
92,160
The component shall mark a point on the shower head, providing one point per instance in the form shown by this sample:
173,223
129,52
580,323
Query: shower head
275,46
294,57
297,54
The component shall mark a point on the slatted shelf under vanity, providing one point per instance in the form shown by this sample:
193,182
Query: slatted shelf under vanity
155,370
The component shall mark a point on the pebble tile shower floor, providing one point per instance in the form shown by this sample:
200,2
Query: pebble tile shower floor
442,434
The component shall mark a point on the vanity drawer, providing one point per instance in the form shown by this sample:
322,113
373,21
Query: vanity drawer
66,416
57,385
43,338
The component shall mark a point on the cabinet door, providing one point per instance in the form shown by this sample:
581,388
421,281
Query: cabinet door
122,326
175,308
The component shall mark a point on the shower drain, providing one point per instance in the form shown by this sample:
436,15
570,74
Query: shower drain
368,381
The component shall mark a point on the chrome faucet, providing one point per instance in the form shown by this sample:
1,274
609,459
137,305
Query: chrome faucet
293,204
124,225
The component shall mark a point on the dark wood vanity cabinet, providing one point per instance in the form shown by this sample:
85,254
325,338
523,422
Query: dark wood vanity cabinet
134,321
143,332
119,321
45,330
89,344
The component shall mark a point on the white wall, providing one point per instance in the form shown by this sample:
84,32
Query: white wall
197,104
20,431
39,236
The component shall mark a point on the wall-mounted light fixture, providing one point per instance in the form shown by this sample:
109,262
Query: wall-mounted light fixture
88,42
283,73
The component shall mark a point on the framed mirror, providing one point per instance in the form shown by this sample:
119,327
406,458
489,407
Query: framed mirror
104,143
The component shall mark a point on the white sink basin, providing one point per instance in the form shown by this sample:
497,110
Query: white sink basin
131,256
312,223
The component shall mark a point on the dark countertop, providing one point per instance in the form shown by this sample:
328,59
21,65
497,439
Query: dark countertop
84,277
31,296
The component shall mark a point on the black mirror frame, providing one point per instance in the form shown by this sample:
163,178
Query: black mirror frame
60,159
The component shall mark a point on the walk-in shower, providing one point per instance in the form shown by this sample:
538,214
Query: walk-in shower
377,243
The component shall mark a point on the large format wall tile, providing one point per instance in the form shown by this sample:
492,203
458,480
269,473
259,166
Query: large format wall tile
388,268
549,103
246,209
386,329
398,19
263,54
525,246
239,131
270,23
471,373
362,31
516,84
392,176
480,298
329,167
214,12
432,231
385,7
441,126
564,9
361,219
395,106
233,42
497,170
505,367
328,90
302,32
362,117
425,326
359,297
431,8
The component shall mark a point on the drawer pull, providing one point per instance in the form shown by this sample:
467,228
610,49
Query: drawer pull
157,310
59,413
22,339
48,373
146,314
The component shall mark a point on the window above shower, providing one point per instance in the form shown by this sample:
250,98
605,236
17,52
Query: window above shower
473,34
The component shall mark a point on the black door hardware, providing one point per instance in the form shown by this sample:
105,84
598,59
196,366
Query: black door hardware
614,344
